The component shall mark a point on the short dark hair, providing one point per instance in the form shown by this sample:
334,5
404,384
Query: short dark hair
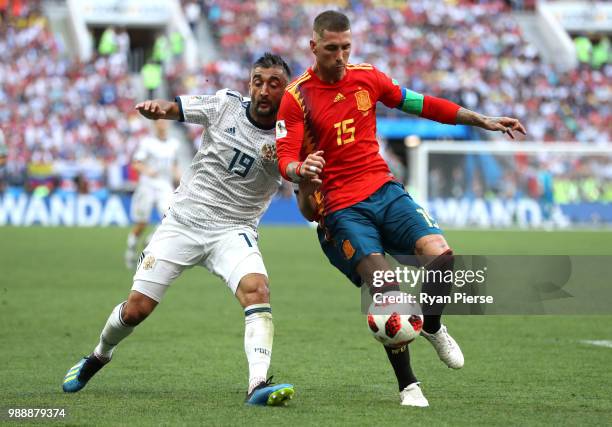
269,60
331,20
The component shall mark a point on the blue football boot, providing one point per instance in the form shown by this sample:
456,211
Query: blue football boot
77,377
270,394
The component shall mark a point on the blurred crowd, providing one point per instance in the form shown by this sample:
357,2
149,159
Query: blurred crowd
69,120
551,179
471,52
76,120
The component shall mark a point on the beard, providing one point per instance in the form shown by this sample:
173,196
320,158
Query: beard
263,112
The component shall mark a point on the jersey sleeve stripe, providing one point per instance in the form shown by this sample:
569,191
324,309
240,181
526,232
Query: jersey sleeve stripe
412,102
298,82
296,93
363,66
180,107
298,98
308,143
234,94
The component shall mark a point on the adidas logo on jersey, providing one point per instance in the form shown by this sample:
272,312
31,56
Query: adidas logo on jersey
339,98
231,131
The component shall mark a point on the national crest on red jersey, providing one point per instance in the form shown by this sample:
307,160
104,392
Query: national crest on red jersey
363,100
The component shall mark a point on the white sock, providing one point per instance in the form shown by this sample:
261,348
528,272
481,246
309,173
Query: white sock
258,337
132,241
114,331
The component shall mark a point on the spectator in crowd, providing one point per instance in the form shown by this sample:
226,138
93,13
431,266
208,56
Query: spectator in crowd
152,76
193,13
177,45
601,53
161,51
109,43
123,42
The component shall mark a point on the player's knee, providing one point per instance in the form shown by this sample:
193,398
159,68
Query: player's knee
132,315
432,245
253,289
137,308
443,262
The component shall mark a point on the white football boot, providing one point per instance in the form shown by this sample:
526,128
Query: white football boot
413,396
447,348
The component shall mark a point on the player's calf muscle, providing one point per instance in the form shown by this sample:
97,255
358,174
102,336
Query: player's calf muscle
137,308
253,289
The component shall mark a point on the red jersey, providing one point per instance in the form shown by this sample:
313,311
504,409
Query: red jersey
339,119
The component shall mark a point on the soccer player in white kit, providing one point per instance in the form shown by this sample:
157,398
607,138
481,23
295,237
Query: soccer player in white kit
212,221
157,163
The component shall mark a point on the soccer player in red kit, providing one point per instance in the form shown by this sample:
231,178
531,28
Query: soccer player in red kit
326,135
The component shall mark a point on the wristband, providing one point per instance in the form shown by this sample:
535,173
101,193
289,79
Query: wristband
298,169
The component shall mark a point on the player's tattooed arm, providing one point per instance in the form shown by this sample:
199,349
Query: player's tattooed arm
308,170
155,109
294,171
505,125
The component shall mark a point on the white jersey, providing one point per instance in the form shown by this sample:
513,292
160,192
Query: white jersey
234,174
160,156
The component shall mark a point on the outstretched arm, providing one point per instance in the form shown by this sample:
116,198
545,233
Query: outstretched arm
439,109
444,111
156,109
505,125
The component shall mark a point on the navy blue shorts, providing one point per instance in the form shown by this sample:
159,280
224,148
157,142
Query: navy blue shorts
388,221
335,257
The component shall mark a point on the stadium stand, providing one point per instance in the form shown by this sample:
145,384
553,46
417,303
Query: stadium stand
471,52
73,117
78,117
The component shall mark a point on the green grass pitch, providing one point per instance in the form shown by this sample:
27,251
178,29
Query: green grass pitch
186,364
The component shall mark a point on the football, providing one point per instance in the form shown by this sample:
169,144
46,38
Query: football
395,330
